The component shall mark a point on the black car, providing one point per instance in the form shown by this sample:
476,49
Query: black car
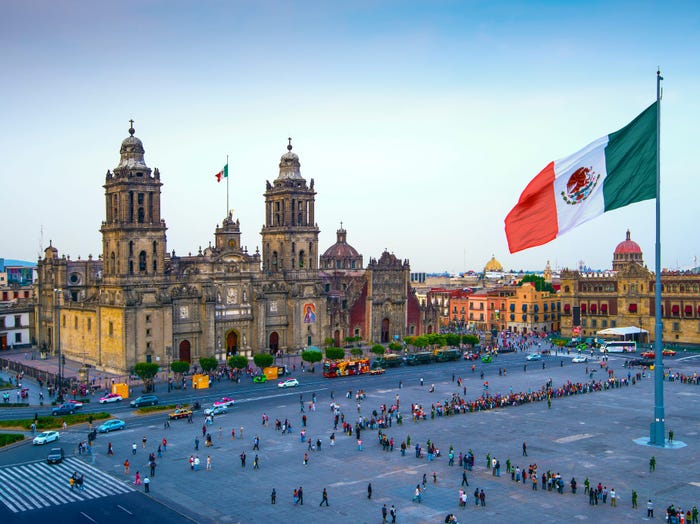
55,456
144,400
64,409
639,362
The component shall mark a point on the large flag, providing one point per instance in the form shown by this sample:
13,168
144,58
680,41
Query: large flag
222,174
612,172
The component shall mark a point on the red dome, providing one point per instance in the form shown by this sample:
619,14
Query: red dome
628,246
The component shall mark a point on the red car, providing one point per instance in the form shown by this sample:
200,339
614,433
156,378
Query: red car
470,356
377,371
225,401
664,353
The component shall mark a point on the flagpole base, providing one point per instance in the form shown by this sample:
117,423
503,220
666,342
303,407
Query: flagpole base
657,434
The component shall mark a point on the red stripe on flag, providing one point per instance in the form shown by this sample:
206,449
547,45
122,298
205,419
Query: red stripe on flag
533,220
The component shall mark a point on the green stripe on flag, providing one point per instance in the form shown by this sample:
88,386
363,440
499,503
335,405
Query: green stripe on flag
630,159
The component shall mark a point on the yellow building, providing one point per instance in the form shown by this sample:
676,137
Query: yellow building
624,297
531,311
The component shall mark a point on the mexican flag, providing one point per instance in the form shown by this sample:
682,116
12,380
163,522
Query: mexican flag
614,171
222,174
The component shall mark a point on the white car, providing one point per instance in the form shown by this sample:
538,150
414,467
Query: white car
578,359
533,356
46,437
225,402
111,397
216,410
289,383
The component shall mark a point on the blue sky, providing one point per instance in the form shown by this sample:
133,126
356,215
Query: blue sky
420,122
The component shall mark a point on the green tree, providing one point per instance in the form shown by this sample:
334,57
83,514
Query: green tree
180,367
238,361
452,339
311,357
146,371
470,340
263,360
356,352
421,342
540,284
328,341
208,364
395,346
378,349
335,353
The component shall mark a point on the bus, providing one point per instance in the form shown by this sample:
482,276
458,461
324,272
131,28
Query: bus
343,368
618,346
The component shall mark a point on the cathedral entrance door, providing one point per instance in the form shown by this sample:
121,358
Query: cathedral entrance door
336,338
274,342
232,343
185,351
385,331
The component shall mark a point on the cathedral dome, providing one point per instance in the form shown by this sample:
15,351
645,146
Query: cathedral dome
131,152
493,265
628,246
341,255
290,168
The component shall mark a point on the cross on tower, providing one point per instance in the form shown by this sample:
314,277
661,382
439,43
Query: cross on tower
289,147
131,127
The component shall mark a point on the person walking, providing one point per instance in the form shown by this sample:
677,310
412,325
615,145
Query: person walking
385,512
196,444
110,451
147,484
369,492
650,509
152,465
300,494
273,496
613,498
208,467
392,512
133,448
634,499
324,497
652,464
524,449
465,482
482,498
126,467
256,464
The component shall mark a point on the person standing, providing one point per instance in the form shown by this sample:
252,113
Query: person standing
208,467
242,459
324,497
110,451
256,464
126,467
300,494
147,484
133,448
634,499
273,496
650,509
652,464
385,512
196,444
392,512
524,449
482,498
369,492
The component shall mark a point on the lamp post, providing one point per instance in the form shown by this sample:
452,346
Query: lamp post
57,295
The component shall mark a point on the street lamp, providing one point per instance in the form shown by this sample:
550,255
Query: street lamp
57,295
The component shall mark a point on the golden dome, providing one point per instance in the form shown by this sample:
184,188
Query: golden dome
493,265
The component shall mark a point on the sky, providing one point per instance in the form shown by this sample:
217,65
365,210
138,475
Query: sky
420,122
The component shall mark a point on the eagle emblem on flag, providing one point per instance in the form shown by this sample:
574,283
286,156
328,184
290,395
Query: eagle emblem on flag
580,185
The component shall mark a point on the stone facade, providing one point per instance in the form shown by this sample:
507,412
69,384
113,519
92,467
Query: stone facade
140,303
624,297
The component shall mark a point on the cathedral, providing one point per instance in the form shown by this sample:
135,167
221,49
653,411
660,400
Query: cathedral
140,303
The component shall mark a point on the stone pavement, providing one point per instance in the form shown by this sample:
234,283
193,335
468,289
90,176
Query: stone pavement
589,435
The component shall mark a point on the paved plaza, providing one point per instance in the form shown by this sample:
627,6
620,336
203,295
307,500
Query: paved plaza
584,436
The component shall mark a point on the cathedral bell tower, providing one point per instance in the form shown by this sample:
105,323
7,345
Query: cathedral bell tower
290,235
133,234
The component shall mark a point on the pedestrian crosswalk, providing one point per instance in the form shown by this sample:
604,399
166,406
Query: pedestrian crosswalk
39,485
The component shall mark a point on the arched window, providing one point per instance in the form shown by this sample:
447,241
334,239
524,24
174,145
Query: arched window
112,264
274,261
301,258
142,262
131,248
155,247
131,267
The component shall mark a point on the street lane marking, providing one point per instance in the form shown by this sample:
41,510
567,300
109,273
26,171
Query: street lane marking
573,438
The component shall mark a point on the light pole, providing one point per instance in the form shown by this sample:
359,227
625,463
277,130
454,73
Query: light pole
57,295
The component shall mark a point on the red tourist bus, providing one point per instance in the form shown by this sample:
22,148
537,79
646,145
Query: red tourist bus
343,368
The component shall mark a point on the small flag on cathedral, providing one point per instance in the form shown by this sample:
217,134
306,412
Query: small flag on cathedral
222,174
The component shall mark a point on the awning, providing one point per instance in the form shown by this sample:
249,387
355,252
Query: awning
622,331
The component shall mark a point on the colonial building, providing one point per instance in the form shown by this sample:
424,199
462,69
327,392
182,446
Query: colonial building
138,302
625,296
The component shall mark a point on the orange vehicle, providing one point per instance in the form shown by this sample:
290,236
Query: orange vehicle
343,368
664,353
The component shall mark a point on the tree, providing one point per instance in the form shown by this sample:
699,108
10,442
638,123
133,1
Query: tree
180,366
335,353
263,360
452,339
395,346
470,340
311,356
378,349
238,361
540,284
356,352
328,341
208,364
146,371
421,342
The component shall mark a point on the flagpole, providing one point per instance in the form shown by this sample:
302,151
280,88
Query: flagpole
227,208
658,430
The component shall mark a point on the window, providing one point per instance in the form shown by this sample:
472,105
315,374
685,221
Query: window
603,323
675,310
89,324
632,308
594,323
688,311
604,308
676,326
583,309
142,262
613,323
583,322
18,338
148,332
18,320
148,319
567,309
